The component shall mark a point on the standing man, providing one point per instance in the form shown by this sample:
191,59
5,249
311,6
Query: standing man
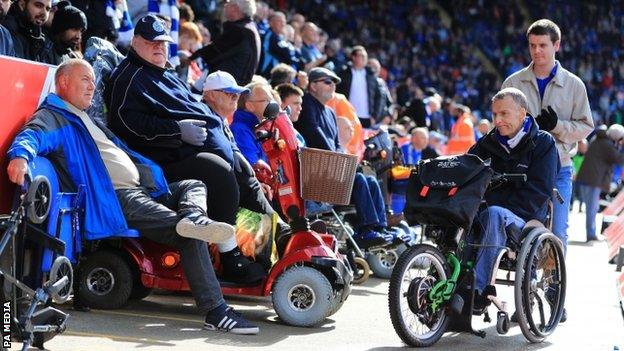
559,100
237,49
360,86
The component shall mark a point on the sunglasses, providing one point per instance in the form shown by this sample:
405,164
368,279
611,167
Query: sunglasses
326,81
231,95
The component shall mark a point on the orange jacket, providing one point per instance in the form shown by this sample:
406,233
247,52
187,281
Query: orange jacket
462,136
343,108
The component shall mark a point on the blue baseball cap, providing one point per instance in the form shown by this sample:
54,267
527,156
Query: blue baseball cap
152,28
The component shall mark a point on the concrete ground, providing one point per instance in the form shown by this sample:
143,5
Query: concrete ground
170,322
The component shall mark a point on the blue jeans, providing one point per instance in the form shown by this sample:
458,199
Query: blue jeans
493,221
368,201
561,210
591,196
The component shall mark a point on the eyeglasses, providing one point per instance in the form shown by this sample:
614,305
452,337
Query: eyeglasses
326,81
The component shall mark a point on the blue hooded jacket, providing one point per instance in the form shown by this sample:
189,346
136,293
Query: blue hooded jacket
61,136
242,127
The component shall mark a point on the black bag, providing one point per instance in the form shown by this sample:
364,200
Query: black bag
379,151
447,191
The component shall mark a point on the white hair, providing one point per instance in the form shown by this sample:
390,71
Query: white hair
247,7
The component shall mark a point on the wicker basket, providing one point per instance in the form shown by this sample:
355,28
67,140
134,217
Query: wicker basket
327,176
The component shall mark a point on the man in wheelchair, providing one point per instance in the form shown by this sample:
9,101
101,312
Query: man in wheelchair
125,189
515,145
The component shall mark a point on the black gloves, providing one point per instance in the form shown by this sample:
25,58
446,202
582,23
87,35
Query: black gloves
547,120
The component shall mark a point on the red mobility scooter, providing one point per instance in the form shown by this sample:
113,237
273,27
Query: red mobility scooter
309,282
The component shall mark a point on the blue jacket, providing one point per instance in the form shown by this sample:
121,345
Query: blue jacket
145,102
62,137
317,124
536,156
243,129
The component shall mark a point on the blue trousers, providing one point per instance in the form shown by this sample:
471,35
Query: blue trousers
591,196
561,210
368,201
493,221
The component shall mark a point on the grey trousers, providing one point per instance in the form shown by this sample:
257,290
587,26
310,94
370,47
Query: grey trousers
156,219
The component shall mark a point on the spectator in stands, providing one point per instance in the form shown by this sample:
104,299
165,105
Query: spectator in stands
561,106
282,73
418,148
484,126
154,112
462,133
387,111
249,113
343,109
292,98
186,13
317,124
67,27
421,111
6,41
24,22
237,49
275,48
310,53
596,172
126,189
99,23
360,86
189,40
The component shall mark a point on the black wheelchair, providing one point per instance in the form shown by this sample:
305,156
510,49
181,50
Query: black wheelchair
432,288
33,270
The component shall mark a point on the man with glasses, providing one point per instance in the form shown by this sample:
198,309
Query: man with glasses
317,124
154,112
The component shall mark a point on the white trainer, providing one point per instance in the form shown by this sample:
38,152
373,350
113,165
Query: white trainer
211,231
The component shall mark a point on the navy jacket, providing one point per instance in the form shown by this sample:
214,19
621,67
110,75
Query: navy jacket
6,42
537,157
317,125
62,137
145,102
242,128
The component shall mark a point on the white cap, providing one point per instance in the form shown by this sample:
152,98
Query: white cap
221,80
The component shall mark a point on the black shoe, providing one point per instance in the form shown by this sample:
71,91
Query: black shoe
564,315
481,302
514,317
239,269
229,321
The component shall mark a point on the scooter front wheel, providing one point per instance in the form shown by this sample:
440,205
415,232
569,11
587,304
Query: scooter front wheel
361,271
302,296
415,274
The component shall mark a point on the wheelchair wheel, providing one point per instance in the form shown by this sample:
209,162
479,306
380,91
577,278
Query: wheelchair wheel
416,272
382,261
105,280
61,267
540,284
38,200
361,271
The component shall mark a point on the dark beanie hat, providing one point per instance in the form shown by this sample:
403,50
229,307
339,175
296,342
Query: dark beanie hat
68,17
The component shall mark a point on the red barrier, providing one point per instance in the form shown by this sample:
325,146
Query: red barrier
23,86
614,234
616,206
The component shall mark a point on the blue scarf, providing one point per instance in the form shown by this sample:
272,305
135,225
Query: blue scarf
509,143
